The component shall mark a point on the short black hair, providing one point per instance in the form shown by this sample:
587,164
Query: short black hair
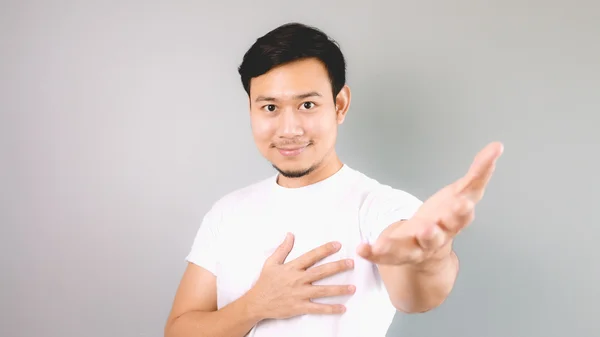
291,42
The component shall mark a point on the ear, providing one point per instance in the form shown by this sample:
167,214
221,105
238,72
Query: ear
342,103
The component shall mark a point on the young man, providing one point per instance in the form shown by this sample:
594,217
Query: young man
319,249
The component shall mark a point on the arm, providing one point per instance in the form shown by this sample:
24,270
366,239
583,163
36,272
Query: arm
194,312
283,290
420,288
415,256
412,288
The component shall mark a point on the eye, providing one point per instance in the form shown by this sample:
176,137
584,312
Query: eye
308,105
269,107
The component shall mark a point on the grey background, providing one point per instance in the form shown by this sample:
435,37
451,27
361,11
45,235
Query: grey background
122,121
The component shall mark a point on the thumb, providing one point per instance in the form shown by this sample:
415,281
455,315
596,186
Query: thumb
364,250
374,252
282,251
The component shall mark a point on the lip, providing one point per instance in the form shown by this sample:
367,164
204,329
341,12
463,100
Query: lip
292,151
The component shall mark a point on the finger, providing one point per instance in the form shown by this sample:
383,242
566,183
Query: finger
328,269
461,212
320,291
282,251
480,171
432,237
323,309
391,251
309,259
364,250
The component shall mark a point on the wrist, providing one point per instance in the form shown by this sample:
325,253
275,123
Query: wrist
438,263
252,307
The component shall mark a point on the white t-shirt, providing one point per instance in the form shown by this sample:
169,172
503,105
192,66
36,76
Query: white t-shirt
243,228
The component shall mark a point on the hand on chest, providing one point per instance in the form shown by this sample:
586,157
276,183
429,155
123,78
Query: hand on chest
249,244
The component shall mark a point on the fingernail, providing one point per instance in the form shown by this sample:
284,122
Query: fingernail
351,289
349,263
335,245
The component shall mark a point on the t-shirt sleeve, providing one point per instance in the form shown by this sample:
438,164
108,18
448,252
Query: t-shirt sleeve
384,206
203,252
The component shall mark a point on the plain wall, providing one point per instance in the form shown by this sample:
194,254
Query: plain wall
123,121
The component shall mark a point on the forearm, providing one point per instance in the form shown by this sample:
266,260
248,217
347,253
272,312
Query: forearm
421,288
233,320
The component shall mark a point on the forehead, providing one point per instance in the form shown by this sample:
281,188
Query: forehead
291,79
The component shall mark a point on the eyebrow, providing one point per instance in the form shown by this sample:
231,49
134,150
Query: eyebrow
296,97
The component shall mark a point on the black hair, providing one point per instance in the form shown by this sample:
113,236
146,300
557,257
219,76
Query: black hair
291,42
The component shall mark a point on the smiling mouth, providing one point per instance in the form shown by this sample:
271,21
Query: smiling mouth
292,151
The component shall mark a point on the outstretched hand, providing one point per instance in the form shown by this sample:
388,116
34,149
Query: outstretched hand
429,233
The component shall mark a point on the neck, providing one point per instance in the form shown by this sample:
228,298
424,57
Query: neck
325,170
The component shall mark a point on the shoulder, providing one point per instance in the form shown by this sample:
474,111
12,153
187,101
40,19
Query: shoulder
241,196
374,191
381,205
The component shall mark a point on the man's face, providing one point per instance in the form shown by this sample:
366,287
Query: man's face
294,116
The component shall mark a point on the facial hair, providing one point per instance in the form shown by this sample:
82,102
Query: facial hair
296,173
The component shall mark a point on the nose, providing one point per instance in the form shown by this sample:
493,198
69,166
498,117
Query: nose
290,124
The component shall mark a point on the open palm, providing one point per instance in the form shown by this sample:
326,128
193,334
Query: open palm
438,220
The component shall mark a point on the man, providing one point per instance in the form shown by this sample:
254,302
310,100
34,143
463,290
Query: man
319,249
